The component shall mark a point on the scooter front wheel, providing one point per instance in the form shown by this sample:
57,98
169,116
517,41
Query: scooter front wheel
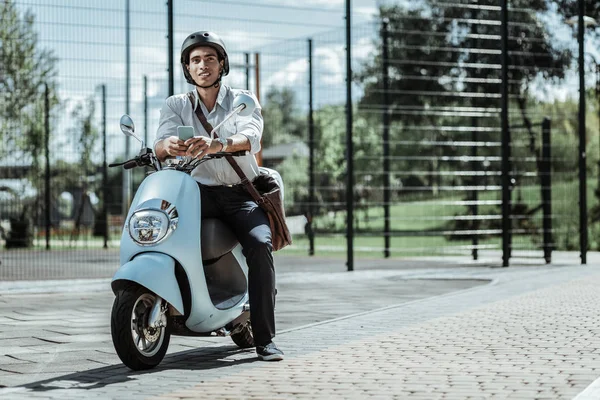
138,345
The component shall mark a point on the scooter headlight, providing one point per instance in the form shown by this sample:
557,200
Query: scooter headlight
150,226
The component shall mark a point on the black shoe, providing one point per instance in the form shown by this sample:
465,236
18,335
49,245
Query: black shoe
269,352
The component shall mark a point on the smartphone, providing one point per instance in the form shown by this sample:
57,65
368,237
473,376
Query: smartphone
185,132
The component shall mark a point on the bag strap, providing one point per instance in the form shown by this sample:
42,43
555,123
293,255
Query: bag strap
208,128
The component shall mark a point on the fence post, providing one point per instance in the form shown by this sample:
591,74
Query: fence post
47,154
506,193
583,226
475,165
104,169
247,68
349,144
386,138
546,179
170,39
126,189
474,197
311,158
146,110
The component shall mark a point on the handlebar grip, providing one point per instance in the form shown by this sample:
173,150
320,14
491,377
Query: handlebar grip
239,153
130,164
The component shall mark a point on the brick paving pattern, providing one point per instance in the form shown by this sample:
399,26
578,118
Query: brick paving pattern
531,333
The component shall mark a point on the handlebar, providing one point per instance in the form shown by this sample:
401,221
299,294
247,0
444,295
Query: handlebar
144,159
130,164
234,154
127,164
117,164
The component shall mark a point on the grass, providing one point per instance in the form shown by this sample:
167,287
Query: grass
422,215
335,246
439,213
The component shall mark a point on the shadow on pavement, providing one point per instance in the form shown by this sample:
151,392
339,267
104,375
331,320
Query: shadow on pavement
191,360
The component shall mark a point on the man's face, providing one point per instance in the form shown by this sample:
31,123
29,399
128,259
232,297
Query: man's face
204,66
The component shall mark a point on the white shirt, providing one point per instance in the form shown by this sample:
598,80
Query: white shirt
178,111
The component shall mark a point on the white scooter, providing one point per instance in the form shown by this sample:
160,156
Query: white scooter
179,274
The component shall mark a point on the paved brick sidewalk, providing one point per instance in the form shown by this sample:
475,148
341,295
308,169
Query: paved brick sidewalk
531,334
541,345
52,329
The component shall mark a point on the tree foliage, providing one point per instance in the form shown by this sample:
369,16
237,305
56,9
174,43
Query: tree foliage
84,133
25,69
27,78
445,77
283,122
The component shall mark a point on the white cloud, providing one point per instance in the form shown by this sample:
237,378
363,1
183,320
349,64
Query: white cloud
366,11
294,73
363,49
331,62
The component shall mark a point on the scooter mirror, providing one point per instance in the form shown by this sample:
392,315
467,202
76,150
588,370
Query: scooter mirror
127,126
247,101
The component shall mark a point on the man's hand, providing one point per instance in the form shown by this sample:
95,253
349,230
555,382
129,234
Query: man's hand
198,147
174,146
170,147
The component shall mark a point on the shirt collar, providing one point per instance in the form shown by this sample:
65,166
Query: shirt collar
220,96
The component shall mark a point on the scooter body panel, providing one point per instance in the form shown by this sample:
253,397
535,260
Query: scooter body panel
221,318
154,271
183,244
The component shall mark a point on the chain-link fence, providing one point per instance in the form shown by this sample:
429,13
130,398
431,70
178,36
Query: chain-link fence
427,105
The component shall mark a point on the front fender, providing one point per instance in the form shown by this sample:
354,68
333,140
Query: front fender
154,271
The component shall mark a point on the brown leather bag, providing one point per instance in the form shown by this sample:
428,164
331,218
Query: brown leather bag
264,189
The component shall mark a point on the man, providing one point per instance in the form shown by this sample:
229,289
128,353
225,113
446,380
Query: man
204,61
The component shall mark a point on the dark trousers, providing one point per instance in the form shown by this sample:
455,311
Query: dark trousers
235,207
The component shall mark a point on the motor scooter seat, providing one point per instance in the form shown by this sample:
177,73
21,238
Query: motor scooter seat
217,239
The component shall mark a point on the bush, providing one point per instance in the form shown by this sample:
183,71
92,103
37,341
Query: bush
21,233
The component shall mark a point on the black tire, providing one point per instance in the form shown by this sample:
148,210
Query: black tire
124,329
244,338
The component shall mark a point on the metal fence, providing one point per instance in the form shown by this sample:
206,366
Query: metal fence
421,164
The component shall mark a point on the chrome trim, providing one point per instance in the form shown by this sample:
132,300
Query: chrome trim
157,317
159,205
148,341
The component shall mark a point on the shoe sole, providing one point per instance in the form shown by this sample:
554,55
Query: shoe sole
272,357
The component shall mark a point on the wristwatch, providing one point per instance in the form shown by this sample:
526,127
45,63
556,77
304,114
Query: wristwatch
223,143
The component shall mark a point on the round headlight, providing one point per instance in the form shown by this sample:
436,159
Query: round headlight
148,226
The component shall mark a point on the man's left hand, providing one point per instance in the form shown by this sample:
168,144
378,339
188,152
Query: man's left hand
198,147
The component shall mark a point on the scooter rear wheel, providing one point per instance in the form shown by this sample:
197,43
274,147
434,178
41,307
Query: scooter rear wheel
137,344
244,337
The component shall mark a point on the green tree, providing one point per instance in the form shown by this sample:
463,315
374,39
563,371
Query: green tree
84,134
441,75
570,8
24,70
284,122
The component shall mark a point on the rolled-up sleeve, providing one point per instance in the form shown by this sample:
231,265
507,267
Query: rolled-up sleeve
252,127
168,122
